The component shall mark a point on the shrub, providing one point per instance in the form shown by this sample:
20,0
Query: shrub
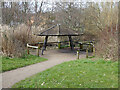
14,40
12,47
107,47
21,33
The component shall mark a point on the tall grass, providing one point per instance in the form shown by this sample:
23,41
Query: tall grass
107,47
14,40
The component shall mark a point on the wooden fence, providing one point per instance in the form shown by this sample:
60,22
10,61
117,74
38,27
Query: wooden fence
39,45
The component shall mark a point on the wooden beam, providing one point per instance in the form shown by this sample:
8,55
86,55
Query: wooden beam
45,44
58,35
71,43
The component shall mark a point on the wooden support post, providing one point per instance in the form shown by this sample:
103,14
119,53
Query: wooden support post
38,50
59,44
93,50
77,54
45,44
81,46
87,52
28,52
71,43
89,47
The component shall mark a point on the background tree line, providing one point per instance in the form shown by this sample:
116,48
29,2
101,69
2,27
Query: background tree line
87,17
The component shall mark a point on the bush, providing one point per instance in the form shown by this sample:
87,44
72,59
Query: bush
14,40
21,34
12,47
107,47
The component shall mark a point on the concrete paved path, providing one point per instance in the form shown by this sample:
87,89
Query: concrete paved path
54,57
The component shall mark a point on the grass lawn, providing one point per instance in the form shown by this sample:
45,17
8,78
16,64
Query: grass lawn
13,63
85,73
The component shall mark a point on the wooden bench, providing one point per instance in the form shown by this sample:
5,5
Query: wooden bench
89,44
35,47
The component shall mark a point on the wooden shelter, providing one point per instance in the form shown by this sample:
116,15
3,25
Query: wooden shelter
56,30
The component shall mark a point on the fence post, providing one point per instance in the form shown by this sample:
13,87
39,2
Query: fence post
69,43
87,52
28,52
59,44
38,50
81,46
77,54
93,50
